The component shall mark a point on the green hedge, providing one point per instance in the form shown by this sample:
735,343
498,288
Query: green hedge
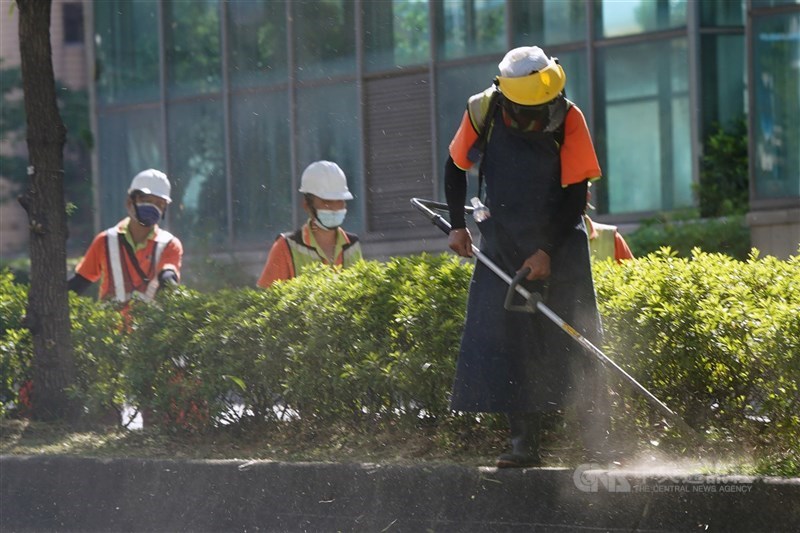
727,235
717,339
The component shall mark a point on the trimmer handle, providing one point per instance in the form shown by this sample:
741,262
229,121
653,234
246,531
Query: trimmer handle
427,208
531,302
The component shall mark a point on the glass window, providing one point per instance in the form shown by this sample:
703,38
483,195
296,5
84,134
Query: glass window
127,143
722,74
329,128
548,22
678,186
458,83
324,38
722,12
192,46
776,115
126,48
197,171
263,195
577,71
617,18
467,28
72,18
257,42
395,33
646,127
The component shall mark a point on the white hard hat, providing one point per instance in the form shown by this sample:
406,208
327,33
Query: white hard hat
151,181
523,61
325,180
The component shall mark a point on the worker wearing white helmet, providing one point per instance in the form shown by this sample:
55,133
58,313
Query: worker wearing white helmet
321,239
135,257
536,158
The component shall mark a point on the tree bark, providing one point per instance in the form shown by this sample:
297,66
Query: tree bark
48,304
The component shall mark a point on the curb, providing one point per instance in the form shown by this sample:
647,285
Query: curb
64,493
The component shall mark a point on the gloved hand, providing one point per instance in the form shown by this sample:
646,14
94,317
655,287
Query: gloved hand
78,284
167,277
539,263
460,241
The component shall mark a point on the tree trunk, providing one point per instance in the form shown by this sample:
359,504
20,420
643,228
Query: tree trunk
48,304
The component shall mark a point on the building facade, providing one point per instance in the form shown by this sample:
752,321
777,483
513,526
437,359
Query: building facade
234,98
67,38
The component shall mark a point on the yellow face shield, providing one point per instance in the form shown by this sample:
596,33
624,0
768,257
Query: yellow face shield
534,89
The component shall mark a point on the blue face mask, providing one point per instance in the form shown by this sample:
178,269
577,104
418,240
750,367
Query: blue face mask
147,214
330,219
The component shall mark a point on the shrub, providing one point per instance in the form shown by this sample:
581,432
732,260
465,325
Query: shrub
715,338
16,345
723,186
727,235
96,342
207,272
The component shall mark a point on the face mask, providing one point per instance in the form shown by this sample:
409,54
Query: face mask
147,214
330,219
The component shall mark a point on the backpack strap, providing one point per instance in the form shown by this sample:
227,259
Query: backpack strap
475,153
476,150
484,125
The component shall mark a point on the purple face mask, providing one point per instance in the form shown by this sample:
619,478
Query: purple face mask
148,214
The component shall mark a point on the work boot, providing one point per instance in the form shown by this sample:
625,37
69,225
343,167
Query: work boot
524,452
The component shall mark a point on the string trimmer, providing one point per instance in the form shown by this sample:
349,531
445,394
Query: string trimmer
534,303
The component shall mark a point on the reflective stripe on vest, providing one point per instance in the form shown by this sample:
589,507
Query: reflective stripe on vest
117,280
304,255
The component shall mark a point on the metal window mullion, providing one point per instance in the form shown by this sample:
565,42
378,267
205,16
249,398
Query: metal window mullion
695,88
290,62
591,65
665,129
434,120
509,29
751,102
226,120
94,127
362,105
162,74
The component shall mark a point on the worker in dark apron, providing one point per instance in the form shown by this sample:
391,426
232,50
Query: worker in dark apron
536,159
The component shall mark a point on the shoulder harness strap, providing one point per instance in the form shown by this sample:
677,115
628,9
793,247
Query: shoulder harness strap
484,123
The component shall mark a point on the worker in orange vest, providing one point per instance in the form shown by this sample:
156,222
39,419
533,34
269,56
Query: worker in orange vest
604,239
321,239
134,258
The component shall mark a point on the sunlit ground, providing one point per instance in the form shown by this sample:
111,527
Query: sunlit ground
296,443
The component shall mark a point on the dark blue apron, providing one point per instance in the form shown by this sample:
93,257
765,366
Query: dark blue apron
513,361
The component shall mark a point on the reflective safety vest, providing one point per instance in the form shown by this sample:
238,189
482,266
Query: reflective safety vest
603,244
304,255
117,272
